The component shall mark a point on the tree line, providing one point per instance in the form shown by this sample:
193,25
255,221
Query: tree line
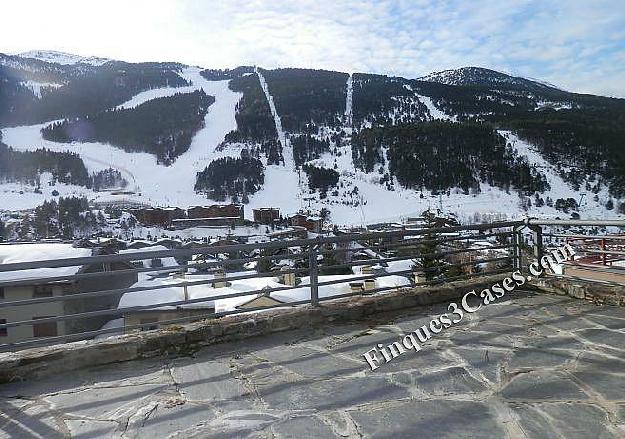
231,177
163,126
86,89
303,96
26,167
439,156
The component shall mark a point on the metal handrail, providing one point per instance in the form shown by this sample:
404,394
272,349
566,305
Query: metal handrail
139,256
386,245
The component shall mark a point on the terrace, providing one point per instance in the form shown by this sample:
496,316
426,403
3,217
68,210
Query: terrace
532,364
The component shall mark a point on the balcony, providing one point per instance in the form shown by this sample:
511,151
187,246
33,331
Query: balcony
530,364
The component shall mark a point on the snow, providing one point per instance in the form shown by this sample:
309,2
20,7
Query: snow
15,196
166,262
399,266
36,87
283,184
155,93
285,187
152,183
553,105
434,112
274,112
349,100
176,293
560,188
63,58
15,253
303,293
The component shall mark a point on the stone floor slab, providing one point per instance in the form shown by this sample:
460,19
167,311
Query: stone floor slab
533,366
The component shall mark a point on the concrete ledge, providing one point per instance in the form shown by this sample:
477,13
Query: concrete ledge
52,360
596,292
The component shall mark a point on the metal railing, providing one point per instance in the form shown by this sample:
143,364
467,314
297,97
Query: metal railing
54,308
599,248
287,273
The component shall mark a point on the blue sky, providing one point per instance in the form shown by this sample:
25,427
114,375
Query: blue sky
578,45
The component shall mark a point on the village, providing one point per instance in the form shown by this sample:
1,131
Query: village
179,275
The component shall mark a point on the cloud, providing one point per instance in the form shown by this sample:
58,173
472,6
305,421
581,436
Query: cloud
577,44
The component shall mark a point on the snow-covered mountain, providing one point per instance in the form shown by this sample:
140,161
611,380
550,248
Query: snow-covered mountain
52,56
479,76
365,147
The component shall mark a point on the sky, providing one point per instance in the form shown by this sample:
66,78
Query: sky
574,44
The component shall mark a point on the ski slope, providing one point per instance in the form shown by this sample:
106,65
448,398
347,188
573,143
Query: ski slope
434,112
283,185
272,106
560,188
153,183
361,200
155,93
349,101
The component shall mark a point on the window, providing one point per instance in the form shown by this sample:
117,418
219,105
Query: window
3,331
1,292
43,291
47,329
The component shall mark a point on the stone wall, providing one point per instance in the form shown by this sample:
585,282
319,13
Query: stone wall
51,360
596,292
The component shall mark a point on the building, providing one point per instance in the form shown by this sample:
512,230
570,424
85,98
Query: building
216,211
44,282
185,223
169,290
157,216
261,301
266,215
217,215
312,224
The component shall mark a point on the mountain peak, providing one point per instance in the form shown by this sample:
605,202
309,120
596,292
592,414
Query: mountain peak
56,57
472,75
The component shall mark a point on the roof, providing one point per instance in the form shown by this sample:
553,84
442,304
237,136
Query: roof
15,253
166,261
176,293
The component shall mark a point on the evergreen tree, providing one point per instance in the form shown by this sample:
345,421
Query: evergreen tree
162,126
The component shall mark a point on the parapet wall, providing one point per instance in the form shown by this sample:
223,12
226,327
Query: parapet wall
51,360
600,293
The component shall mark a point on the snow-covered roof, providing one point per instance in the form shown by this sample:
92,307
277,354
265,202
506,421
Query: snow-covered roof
176,293
303,293
15,253
167,261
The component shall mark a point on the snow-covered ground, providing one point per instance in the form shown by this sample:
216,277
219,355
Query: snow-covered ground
155,93
436,113
274,112
153,183
560,188
349,100
362,200
283,185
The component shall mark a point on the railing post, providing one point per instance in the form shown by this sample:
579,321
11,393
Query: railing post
537,237
313,271
517,259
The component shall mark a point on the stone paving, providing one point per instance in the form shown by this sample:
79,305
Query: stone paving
536,366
